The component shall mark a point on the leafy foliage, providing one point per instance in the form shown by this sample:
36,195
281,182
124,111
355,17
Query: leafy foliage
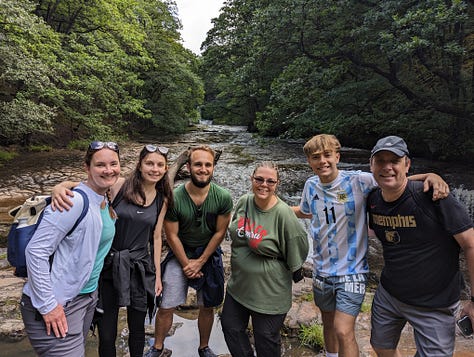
173,90
92,69
358,69
312,335
27,61
74,70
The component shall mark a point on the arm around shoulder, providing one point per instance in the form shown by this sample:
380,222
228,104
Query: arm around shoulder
434,181
60,195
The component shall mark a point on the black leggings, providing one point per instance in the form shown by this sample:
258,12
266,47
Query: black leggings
108,325
266,330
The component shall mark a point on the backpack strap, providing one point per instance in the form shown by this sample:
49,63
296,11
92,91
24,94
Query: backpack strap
279,257
85,208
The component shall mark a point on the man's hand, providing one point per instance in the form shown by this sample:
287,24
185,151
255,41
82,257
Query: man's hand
440,187
193,269
468,309
56,320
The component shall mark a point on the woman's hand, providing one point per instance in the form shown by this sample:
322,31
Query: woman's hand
55,322
60,198
158,286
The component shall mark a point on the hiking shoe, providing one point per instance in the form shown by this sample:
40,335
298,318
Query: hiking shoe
206,352
154,352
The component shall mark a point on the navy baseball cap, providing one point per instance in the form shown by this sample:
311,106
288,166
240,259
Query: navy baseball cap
393,144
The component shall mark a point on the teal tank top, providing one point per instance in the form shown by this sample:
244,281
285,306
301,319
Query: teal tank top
106,238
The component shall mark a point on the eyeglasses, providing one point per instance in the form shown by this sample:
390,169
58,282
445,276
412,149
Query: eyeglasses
97,145
153,148
260,181
198,216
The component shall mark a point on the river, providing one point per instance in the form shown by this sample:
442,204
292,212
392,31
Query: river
38,172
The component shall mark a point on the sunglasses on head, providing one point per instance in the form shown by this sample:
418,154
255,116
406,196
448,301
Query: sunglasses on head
97,145
153,148
260,181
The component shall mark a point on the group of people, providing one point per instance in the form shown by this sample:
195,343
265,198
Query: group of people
421,232
109,262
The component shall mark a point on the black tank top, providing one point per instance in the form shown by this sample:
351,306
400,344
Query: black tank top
135,225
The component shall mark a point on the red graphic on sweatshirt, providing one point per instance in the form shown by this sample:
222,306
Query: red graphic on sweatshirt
254,234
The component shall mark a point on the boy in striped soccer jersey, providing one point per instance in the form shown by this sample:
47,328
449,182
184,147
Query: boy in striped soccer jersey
335,201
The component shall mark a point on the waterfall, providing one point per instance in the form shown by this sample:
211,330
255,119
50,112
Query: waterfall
467,198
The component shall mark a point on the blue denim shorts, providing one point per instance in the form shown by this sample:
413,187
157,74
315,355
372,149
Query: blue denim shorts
342,293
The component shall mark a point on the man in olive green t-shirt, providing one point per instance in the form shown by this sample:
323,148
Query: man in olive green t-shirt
195,226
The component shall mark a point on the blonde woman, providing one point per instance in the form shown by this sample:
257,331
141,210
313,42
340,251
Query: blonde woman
268,245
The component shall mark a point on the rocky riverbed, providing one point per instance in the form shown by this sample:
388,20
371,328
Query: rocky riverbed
302,312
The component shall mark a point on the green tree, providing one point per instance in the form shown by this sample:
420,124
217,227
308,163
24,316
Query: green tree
172,89
102,55
359,69
93,69
27,61
233,67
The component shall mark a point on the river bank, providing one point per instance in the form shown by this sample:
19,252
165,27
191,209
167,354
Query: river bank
302,312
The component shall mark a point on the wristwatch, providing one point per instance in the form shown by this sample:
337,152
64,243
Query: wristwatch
472,298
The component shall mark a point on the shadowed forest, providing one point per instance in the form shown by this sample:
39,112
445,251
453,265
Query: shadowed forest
76,70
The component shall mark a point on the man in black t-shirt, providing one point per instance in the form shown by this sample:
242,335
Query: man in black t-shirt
421,239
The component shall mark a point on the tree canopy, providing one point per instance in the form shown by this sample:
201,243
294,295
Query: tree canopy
359,69
93,69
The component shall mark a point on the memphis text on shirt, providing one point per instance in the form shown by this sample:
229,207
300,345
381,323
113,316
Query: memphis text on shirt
394,221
